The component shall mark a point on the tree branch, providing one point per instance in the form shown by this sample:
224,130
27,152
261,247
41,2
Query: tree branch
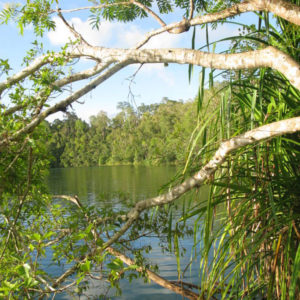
249,138
267,57
142,6
89,7
149,11
34,66
155,277
192,7
98,68
64,103
286,10
152,276
72,29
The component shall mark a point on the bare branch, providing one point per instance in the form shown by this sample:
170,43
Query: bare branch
13,109
34,66
250,137
153,33
80,75
284,9
192,7
149,11
72,29
96,221
74,199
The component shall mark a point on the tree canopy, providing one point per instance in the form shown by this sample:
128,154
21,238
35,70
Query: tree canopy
245,146
150,135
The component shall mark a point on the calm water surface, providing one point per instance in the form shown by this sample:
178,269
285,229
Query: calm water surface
108,183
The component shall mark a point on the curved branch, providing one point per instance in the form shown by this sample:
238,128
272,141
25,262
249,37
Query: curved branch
34,66
80,75
192,7
149,11
62,105
155,277
267,57
284,9
60,83
72,29
249,138
13,109
89,7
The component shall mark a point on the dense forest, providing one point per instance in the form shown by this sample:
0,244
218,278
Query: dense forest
149,134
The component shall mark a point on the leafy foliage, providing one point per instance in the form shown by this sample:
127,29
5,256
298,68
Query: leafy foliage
151,134
246,234
255,196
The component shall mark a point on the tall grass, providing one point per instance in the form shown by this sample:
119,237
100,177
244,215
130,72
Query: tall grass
250,233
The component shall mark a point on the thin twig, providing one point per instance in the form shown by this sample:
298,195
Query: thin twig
150,12
72,29
192,7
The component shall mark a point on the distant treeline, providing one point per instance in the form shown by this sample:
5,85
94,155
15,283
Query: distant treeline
149,134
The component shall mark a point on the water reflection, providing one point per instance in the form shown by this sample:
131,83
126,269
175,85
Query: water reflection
107,184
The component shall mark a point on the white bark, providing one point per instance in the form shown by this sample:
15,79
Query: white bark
250,137
227,147
61,106
34,66
109,61
267,57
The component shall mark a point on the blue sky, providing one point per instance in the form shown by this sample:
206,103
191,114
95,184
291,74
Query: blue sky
152,83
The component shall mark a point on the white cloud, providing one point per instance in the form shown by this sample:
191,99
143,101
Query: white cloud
117,35
113,34
128,36
132,35
109,34
62,34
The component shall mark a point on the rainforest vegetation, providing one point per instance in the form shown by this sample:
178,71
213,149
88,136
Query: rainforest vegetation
240,139
151,134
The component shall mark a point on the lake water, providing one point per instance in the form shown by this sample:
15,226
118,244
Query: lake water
109,183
